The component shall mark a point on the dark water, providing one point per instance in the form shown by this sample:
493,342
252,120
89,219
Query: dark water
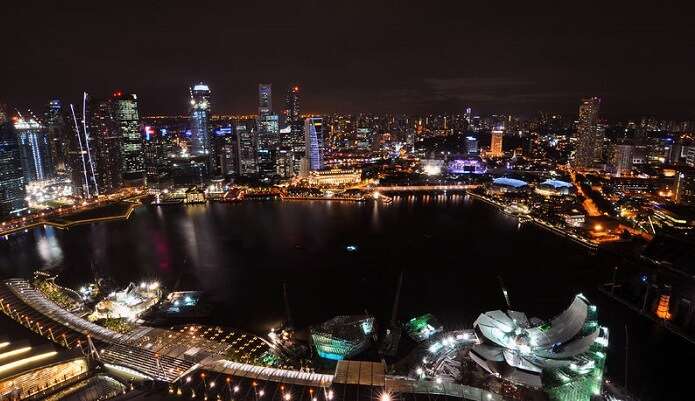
451,250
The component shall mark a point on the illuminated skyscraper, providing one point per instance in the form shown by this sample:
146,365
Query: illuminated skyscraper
127,121
292,106
104,130
265,99
11,177
313,138
246,148
268,138
58,130
496,143
268,143
34,149
588,133
293,143
200,120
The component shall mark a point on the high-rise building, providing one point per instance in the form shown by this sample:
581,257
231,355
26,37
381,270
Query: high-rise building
496,143
268,138
104,129
471,145
246,148
200,120
294,142
313,138
12,183
57,129
292,105
34,149
589,147
268,143
265,99
622,159
127,120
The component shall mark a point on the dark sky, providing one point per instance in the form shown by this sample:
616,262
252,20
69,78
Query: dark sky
515,57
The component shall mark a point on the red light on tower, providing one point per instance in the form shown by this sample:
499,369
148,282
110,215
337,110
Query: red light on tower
117,93
295,89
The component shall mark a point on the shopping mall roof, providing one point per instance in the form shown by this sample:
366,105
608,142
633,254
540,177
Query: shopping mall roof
509,182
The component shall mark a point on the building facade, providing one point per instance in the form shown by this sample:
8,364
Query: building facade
57,129
313,139
245,132
12,185
127,120
34,149
588,152
104,129
200,121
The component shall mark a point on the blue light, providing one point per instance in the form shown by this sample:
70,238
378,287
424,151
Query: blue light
643,277
351,248
331,356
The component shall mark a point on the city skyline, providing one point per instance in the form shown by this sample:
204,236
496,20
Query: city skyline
516,59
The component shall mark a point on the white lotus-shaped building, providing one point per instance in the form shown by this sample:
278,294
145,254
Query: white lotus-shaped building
564,355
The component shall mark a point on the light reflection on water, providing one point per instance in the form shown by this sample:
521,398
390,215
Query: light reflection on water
48,248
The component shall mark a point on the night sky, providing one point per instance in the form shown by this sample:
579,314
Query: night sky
396,56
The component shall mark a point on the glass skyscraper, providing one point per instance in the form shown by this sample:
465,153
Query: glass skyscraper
268,133
200,120
127,120
589,135
104,130
57,131
12,191
246,148
34,149
313,137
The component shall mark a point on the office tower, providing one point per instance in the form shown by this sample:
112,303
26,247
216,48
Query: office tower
225,149
313,138
496,143
295,140
200,120
588,152
292,106
12,191
57,130
34,149
471,145
246,148
127,123
104,130
268,142
265,99
622,159
268,138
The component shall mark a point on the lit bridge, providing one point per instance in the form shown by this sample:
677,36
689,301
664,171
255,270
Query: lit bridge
420,188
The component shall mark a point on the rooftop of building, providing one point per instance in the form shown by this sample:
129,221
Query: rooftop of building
509,182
